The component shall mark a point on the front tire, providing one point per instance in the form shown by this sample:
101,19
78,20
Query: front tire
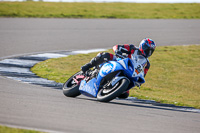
71,88
107,94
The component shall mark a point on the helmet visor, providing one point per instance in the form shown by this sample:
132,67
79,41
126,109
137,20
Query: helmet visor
148,52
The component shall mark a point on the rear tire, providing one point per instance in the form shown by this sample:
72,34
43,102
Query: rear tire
108,94
70,88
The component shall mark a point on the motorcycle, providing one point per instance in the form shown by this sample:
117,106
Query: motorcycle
108,80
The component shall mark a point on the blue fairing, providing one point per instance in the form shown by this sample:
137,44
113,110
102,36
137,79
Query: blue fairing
124,65
91,88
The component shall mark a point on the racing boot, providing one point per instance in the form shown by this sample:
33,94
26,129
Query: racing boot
89,65
86,67
100,58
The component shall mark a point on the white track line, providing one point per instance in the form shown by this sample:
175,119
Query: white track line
42,81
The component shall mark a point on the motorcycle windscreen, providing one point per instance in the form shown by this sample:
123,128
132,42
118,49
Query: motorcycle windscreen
89,89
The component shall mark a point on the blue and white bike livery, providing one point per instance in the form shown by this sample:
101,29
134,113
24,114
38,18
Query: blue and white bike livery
109,80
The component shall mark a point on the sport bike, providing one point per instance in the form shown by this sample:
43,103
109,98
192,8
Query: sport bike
108,80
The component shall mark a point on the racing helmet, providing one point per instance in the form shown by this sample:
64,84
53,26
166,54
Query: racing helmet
147,47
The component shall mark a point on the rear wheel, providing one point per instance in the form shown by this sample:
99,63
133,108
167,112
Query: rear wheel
70,87
108,93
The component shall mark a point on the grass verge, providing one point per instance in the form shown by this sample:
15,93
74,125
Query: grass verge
4,129
100,10
173,77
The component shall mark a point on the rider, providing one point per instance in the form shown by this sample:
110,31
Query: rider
146,48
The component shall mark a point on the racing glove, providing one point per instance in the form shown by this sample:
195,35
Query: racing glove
124,50
117,52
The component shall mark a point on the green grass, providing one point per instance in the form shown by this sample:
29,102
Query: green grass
4,129
100,10
173,76
61,69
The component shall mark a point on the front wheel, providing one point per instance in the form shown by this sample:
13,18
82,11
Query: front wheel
70,87
107,93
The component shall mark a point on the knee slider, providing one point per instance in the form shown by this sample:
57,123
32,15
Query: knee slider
105,56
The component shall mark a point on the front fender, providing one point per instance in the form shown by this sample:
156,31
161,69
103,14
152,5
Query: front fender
117,79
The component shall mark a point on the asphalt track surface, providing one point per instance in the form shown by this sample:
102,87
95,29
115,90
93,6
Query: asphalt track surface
47,109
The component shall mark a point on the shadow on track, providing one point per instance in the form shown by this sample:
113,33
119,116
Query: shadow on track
160,106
